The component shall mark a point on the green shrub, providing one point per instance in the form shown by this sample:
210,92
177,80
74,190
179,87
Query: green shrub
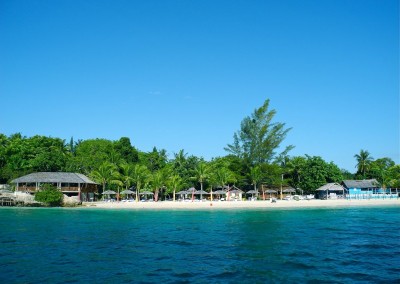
49,195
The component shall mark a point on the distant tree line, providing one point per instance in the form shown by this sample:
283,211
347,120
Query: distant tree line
253,159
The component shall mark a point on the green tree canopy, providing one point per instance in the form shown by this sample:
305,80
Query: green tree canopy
49,195
255,176
140,176
393,176
259,138
126,151
174,182
310,173
364,160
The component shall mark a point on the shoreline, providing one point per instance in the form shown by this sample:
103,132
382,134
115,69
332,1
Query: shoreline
261,204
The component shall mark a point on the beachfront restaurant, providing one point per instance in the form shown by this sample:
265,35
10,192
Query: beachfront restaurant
331,191
70,184
367,189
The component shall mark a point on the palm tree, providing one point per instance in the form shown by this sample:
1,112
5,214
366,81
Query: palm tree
116,180
223,176
180,158
106,173
201,174
126,175
363,161
157,182
255,176
103,174
175,182
140,176
213,182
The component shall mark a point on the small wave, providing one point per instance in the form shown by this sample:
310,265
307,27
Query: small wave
181,243
300,265
355,276
301,254
183,275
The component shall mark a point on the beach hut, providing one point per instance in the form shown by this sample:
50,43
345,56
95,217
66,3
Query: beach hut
70,184
271,191
236,193
363,189
331,191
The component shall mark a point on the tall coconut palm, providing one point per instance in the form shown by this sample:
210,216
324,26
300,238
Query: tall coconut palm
363,161
104,174
213,182
140,176
180,158
107,173
201,174
175,182
157,182
116,180
126,175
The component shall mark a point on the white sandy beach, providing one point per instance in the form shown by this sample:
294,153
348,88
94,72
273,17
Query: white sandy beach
242,204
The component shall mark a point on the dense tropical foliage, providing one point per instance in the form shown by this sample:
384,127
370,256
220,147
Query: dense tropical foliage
253,160
49,195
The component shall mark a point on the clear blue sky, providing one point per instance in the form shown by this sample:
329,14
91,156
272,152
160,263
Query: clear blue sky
183,74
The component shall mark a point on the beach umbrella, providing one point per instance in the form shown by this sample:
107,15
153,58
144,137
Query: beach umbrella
252,192
127,192
201,192
192,189
289,190
146,193
270,191
219,192
182,192
109,192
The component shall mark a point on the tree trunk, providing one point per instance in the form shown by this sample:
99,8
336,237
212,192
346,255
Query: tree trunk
156,195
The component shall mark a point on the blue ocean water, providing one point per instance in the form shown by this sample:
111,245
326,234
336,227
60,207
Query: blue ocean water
348,245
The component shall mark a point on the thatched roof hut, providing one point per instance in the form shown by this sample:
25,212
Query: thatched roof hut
361,184
331,187
66,182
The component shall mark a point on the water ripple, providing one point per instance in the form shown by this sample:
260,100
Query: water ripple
350,245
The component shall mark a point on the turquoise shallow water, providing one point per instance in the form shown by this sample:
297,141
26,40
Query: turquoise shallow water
349,245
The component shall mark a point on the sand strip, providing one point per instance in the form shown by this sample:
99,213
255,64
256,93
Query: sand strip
242,204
